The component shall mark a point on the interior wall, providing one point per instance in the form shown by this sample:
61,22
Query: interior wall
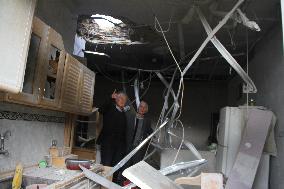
267,71
32,131
200,100
57,15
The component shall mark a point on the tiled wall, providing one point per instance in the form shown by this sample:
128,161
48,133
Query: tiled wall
32,131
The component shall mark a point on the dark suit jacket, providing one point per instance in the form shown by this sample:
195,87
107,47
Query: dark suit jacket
114,125
146,129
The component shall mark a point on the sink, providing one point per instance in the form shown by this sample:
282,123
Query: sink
7,182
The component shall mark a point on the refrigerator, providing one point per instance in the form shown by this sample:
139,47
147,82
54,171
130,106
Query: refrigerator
229,135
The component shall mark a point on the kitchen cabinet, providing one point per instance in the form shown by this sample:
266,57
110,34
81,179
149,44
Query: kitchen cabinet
52,72
53,78
77,88
35,61
87,91
71,84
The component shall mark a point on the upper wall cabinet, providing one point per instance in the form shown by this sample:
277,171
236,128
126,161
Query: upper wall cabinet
15,29
77,88
87,91
54,79
52,72
36,60
71,84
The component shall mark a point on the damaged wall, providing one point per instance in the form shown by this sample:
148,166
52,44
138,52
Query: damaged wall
57,15
200,100
32,131
267,71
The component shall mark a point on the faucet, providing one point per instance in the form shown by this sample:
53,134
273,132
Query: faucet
4,136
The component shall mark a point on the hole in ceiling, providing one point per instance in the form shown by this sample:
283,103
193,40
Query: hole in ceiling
104,29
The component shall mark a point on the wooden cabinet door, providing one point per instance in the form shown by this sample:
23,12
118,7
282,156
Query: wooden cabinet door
36,59
87,91
52,71
71,84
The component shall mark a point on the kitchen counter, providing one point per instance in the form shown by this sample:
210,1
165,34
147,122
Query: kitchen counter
51,173
53,177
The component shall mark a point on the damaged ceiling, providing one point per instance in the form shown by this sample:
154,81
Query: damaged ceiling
139,16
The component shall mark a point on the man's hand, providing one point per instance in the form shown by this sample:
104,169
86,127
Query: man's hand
94,109
114,94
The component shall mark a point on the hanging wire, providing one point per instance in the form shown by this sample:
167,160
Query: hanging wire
232,39
247,61
169,26
113,80
181,86
146,90
181,89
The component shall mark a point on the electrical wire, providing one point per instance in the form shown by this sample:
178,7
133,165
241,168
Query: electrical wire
161,30
149,83
247,61
163,34
181,84
113,80
178,66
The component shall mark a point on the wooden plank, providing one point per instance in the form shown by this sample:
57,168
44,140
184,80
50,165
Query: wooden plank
71,143
243,172
192,181
69,127
205,180
147,177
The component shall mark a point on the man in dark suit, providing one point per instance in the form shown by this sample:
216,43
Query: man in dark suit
138,128
112,138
